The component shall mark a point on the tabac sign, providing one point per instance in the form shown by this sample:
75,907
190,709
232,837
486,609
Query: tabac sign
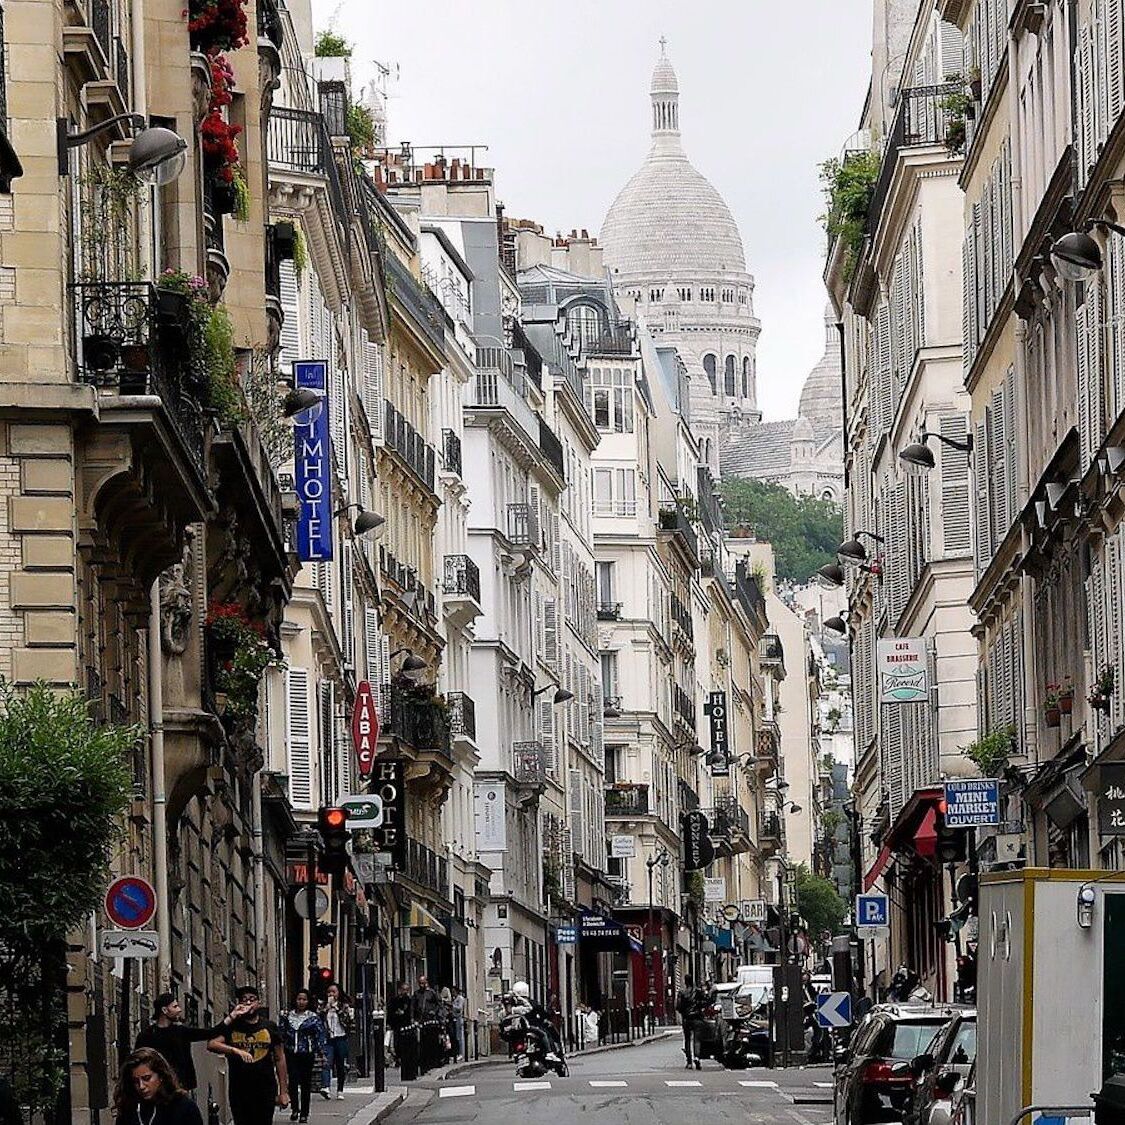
312,462
904,670
365,728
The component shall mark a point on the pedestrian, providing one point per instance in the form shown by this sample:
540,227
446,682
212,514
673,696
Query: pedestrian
338,1019
258,1076
303,1032
446,995
426,1012
590,1025
457,1009
149,1093
168,1034
690,1005
400,1019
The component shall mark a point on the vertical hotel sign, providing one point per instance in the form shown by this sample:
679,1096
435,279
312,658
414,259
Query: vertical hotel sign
720,738
312,460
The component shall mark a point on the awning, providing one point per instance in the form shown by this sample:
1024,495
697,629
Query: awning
605,935
925,839
915,827
877,868
422,919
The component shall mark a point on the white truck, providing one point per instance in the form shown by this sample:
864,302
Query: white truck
1050,988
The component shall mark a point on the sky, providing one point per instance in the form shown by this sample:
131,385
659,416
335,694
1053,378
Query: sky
559,94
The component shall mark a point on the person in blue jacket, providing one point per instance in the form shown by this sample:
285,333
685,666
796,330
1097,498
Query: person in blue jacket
303,1033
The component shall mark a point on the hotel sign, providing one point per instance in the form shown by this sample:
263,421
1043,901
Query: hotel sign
312,457
720,736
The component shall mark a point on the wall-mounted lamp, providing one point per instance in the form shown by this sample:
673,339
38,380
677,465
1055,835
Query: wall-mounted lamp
298,400
1111,459
1076,255
853,552
1087,896
918,457
365,521
830,575
157,155
413,664
562,695
836,625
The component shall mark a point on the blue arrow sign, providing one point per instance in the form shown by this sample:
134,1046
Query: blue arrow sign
834,1009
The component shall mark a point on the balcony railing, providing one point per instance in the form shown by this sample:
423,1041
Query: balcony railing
552,448
419,720
728,817
616,339
609,611
689,799
499,385
406,578
681,615
269,22
529,763
683,705
769,648
532,360
401,436
769,827
626,800
675,520
462,714
427,868
124,344
919,120
747,590
417,299
451,452
462,576
523,525
710,503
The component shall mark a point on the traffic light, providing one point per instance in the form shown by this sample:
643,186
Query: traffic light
325,933
322,977
331,822
950,842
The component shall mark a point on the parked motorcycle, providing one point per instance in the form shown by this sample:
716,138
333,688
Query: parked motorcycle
529,1048
747,1043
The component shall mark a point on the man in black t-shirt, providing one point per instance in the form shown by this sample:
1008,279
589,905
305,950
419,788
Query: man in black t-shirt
169,1035
258,1078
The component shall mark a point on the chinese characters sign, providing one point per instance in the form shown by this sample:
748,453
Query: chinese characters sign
312,458
1111,800
904,673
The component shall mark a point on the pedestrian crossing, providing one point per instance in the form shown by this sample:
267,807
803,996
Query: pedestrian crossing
568,1085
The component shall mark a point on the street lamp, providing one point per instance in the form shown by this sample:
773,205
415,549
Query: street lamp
298,400
611,711
413,664
365,521
657,859
562,695
853,552
918,457
157,155
830,575
1076,256
836,625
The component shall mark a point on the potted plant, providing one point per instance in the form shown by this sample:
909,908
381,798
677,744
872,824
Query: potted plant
238,656
1066,696
175,292
217,25
975,83
1102,693
1051,710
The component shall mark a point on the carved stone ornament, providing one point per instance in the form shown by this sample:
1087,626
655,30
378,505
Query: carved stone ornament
175,601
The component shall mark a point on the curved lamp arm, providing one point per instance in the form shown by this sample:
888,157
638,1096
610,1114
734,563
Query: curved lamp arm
68,140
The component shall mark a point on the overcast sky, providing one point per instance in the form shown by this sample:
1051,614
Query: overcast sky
559,93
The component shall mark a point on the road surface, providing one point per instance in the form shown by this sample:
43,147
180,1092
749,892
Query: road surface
641,1085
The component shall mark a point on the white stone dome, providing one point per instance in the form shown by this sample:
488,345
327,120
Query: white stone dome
668,221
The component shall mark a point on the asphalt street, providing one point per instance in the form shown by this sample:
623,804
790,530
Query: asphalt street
630,1086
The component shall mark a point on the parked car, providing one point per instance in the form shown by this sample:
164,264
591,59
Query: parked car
964,1110
942,1069
872,1085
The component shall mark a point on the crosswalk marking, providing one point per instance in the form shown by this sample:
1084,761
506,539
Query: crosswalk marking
457,1091
823,1085
531,1085
684,1083
607,1085
759,1085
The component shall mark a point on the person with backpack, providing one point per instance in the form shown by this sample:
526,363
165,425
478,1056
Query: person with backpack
690,1005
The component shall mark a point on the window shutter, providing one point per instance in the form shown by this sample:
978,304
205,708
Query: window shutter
345,754
349,604
1116,357
1115,65
956,527
373,386
583,694
998,475
327,735
551,634
1113,618
980,510
337,416
967,301
1096,372
952,50
372,647
290,308
574,796
297,741
546,734
1008,409
324,582
1081,335
883,359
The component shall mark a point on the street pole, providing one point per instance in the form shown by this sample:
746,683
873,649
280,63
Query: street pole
310,898
652,946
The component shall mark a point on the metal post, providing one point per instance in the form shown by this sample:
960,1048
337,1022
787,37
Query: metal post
310,895
652,949
378,1050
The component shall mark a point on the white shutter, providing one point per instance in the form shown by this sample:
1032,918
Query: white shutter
290,308
551,634
546,734
956,526
297,739
1082,343
1113,618
323,574
373,392
1115,64
1116,304
980,507
1096,336
345,754
952,50
967,298
575,803
1008,409
326,733
884,362
372,648
349,604
998,472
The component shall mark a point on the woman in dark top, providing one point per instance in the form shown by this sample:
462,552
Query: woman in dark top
148,1093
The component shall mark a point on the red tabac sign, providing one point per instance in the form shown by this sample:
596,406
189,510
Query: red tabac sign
365,728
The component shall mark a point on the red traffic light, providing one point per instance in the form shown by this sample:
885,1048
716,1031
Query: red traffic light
333,818
324,975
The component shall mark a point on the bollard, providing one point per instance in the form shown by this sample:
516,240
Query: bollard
379,1050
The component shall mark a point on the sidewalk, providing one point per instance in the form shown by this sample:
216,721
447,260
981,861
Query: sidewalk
360,1106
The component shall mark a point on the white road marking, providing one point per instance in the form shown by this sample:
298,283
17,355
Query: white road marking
607,1085
685,1083
823,1085
531,1085
457,1091
360,1090
759,1085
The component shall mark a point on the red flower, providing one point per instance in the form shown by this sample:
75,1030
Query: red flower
218,24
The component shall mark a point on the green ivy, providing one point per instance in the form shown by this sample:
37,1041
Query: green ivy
241,197
329,45
990,754
848,187
223,394
300,251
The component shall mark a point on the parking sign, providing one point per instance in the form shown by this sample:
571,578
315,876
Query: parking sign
872,911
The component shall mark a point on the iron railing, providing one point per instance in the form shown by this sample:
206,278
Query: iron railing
609,611
451,452
675,520
418,719
626,800
710,503
427,868
552,448
523,525
769,826
102,27
747,590
401,436
406,578
768,742
269,22
123,345
683,705
462,714
424,308
462,576
498,384
529,763
616,339
121,67
769,648
689,799
729,816
681,615
532,360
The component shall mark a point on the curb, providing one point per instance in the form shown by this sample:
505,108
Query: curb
465,1068
384,1111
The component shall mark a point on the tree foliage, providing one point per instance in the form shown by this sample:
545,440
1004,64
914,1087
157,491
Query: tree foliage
64,787
818,903
805,531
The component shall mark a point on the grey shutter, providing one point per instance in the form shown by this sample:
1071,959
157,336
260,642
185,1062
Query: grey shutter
290,308
575,805
1082,357
327,736
980,507
551,634
956,527
372,647
1008,409
297,739
349,604
546,734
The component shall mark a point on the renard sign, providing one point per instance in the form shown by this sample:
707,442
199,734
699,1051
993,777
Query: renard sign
365,728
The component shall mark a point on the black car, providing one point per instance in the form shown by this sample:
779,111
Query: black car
942,1067
872,1084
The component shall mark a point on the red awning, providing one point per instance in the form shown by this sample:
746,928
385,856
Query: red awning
877,868
925,839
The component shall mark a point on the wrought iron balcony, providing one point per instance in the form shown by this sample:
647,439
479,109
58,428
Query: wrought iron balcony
529,763
552,448
675,520
689,799
451,452
770,650
747,590
615,339
523,525
427,868
532,360
401,436
681,615
269,22
626,800
406,579
462,714
462,576
419,719
684,706
728,817
768,743
609,611
125,345
417,300
769,828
